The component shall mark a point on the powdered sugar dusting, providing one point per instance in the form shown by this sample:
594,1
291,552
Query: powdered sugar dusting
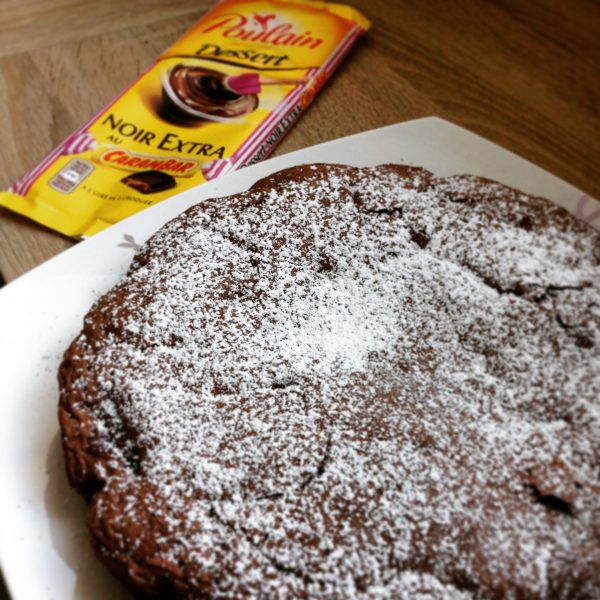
351,383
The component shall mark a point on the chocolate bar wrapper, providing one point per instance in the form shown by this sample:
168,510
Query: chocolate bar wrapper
183,121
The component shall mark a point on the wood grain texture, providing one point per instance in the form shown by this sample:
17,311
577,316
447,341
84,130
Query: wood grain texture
525,75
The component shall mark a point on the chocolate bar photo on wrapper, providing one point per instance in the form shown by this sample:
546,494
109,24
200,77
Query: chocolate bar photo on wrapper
150,182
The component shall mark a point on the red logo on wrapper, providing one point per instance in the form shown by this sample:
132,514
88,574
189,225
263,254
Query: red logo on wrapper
258,29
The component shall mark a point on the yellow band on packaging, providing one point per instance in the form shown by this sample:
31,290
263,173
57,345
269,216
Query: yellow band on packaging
220,98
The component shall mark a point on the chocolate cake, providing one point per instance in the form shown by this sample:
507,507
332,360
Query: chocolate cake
347,383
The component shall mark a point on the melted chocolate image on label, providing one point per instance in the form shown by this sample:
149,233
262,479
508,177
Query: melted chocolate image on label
193,93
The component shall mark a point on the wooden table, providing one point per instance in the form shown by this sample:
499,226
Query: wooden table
522,74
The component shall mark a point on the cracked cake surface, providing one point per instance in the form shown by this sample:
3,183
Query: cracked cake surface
347,383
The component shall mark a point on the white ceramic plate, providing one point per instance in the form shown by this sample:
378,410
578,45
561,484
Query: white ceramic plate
44,547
